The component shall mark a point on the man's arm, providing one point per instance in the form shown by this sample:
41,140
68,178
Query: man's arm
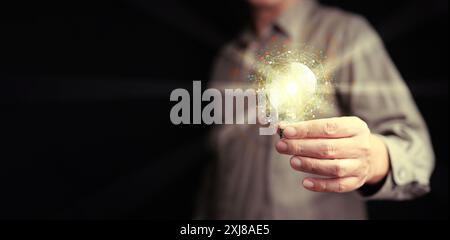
380,97
394,150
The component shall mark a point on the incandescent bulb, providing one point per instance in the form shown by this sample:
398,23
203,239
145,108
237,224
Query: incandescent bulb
290,89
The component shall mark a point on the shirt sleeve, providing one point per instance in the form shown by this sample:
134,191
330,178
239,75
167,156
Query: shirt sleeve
372,89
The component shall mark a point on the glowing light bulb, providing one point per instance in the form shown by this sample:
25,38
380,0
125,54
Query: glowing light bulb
290,89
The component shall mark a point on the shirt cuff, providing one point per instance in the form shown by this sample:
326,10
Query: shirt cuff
400,183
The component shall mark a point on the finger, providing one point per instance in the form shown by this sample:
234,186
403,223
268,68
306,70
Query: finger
325,148
338,185
338,127
329,168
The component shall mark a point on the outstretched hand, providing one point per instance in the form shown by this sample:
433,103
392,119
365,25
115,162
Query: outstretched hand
341,149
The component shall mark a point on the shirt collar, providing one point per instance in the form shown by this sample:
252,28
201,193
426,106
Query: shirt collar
289,22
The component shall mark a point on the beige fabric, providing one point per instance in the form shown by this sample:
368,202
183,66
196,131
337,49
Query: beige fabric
250,180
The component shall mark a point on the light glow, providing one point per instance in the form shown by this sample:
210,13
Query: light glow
294,82
291,88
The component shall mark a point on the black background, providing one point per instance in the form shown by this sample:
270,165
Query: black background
84,94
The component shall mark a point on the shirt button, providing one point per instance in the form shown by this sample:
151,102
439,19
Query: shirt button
402,174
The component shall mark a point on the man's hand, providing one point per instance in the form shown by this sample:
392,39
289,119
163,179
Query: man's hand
341,149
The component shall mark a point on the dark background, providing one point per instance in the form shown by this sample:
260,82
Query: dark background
84,95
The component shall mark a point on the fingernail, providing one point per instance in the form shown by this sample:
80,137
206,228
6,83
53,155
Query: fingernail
281,146
297,162
308,184
289,132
